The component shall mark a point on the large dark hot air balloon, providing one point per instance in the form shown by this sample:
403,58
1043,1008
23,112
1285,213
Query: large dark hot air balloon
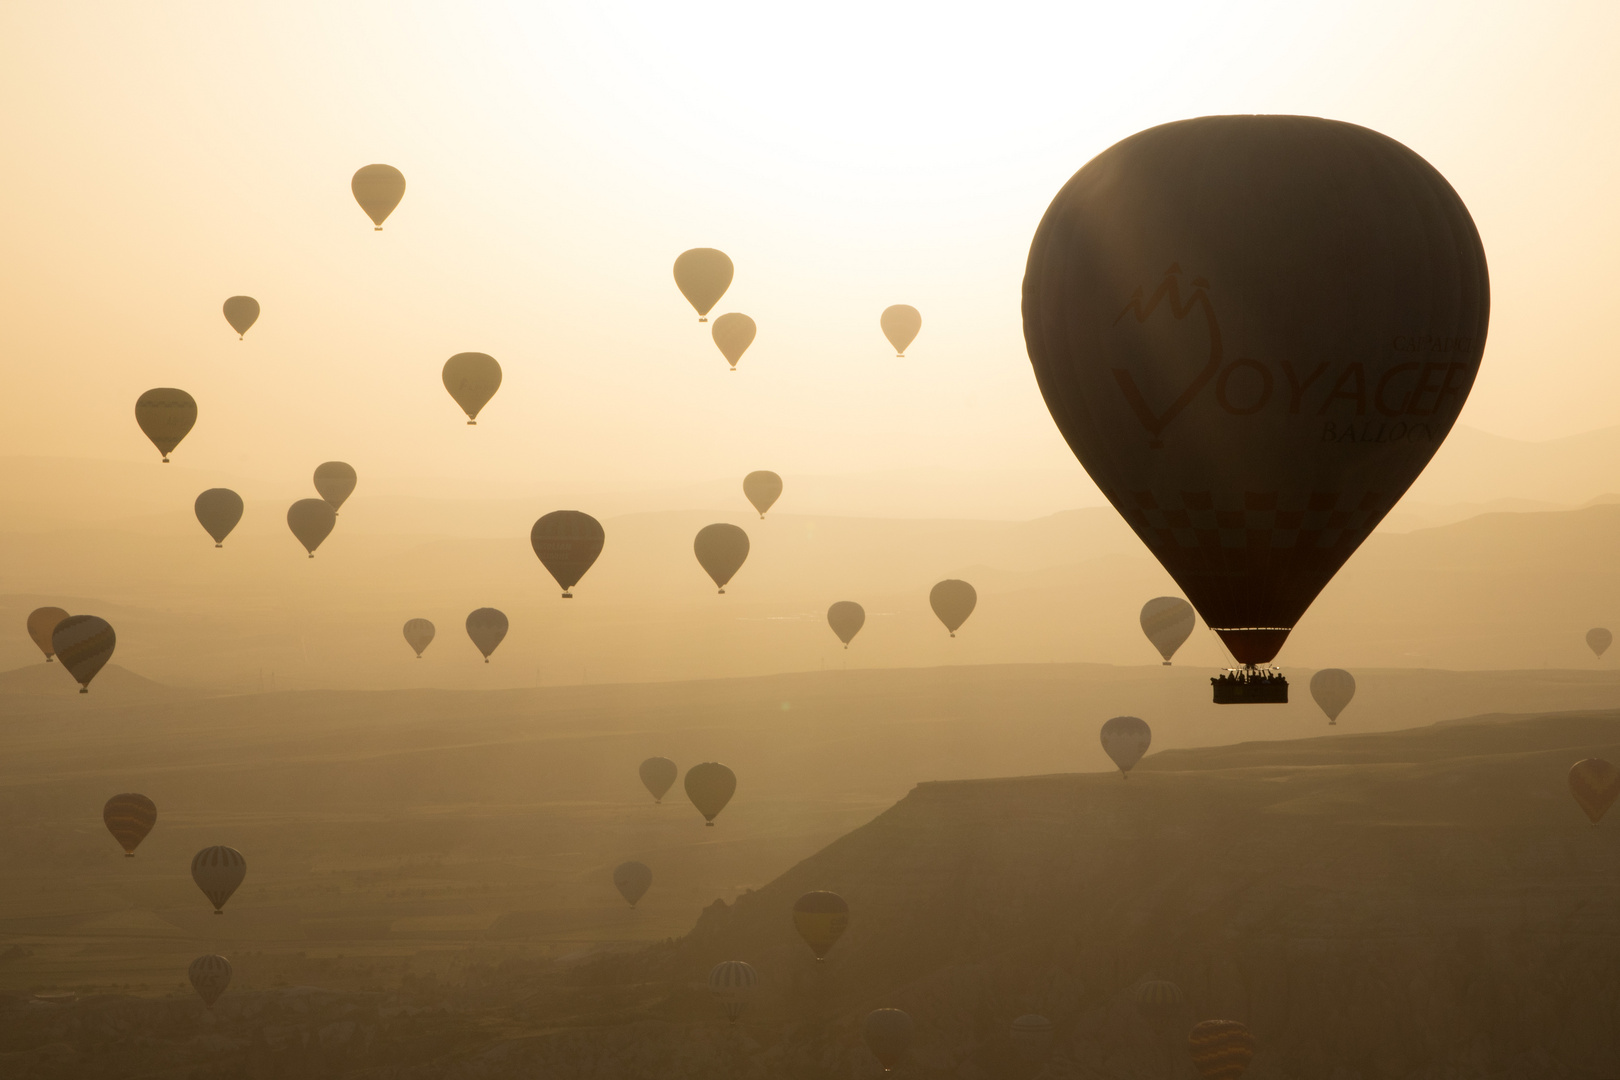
953,601
487,627
335,481
703,275
378,189
166,416
763,488
311,521
241,312
710,786
210,975
84,644
733,333
1125,739
218,871
218,510
567,542
1254,332
472,379
129,817
1167,621
658,774
1333,688
419,634
720,550
846,619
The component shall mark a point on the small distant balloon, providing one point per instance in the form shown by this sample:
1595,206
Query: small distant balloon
821,919
710,786
335,481
720,550
1125,739
658,774
241,312
42,623
1333,688
419,635
1032,1036
166,415
311,521
888,1036
84,644
129,817
900,325
210,975
486,627
732,983
472,379
733,333
703,275
1221,1049
1168,621
1598,640
567,543
953,601
632,879
218,510
1158,1001
763,488
378,189
846,619
218,871
1595,783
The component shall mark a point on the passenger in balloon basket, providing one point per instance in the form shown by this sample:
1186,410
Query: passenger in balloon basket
1250,685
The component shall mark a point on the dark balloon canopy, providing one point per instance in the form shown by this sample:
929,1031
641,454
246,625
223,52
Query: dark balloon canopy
487,627
84,644
335,481
703,275
1254,332
378,189
567,542
218,510
846,619
311,521
166,416
241,312
763,488
720,550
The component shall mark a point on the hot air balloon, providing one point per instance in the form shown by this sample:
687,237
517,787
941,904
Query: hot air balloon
658,774
1254,332
84,644
732,983
486,627
763,489
1125,739
1221,1049
888,1036
210,975
1333,688
953,601
1032,1036
311,521
567,543
218,510
1598,640
821,919
1595,783
472,379
846,619
1159,1002
241,312
721,550
900,325
710,786
335,481
733,333
165,415
378,189
632,879
42,623
129,817
1167,621
419,635
703,275
218,871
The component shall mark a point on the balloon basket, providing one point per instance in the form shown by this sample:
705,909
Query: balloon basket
1250,686
567,596
84,689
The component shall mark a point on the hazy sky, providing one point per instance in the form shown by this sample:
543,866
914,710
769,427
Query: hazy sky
160,157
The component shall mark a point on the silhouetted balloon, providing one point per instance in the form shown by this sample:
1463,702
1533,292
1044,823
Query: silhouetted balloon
846,619
1333,688
1254,410
335,481
486,627
953,601
241,312
1221,1049
129,817
42,624
165,415
703,275
1595,783
888,1036
763,488
900,325
658,773
210,975
721,550
1167,621
419,635
84,644
710,786
732,983
1598,640
1158,1000
472,379
378,189
1032,1036
311,521
733,333
567,543
218,871
218,510
632,879
821,919
1126,739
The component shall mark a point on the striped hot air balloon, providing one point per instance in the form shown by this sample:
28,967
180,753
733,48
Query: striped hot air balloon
129,818
210,975
821,919
218,871
1158,1000
84,644
1221,1049
567,542
1595,783
732,983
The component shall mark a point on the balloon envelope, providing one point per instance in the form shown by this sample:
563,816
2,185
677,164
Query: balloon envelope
84,644
720,550
486,626
703,275
900,325
1333,688
218,871
1158,1000
1254,332
1595,783
1221,1049
710,786
241,312
632,879
210,975
733,333
846,619
311,521
821,919
419,635
732,983
1167,621
953,601
762,488
129,817
378,189
472,379
888,1035
658,774
42,623
335,481
166,415
1598,640
1125,739
218,510
567,542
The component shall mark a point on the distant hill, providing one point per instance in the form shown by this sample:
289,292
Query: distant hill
112,683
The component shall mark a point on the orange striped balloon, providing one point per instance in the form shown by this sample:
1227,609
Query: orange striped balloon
84,644
129,818
217,872
1221,1049
1595,783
